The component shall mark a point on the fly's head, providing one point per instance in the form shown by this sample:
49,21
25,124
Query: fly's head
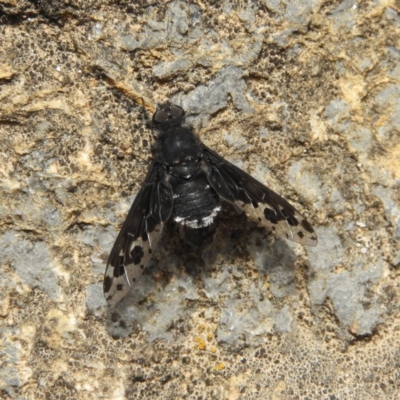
167,116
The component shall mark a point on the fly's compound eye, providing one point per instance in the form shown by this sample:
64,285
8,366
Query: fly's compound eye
177,111
160,116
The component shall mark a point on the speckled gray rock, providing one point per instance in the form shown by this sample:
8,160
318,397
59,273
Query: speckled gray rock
304,96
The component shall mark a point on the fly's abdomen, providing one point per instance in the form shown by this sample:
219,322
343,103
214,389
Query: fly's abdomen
195,203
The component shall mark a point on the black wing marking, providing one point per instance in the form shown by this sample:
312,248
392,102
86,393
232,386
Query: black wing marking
271,210
139,235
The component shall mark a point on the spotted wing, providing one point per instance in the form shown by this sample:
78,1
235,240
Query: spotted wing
139,235
271,210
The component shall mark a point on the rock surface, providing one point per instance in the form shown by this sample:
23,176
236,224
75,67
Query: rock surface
303,95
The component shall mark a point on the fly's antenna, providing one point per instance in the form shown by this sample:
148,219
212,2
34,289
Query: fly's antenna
146,106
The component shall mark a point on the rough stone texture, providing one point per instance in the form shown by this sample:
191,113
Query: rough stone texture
304,95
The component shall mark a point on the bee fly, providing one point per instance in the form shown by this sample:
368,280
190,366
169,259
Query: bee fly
187,183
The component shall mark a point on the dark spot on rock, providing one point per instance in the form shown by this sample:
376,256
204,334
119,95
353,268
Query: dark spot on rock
186,360
114,317
120,286
300,234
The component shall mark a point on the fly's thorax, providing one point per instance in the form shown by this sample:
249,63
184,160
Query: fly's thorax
179,146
